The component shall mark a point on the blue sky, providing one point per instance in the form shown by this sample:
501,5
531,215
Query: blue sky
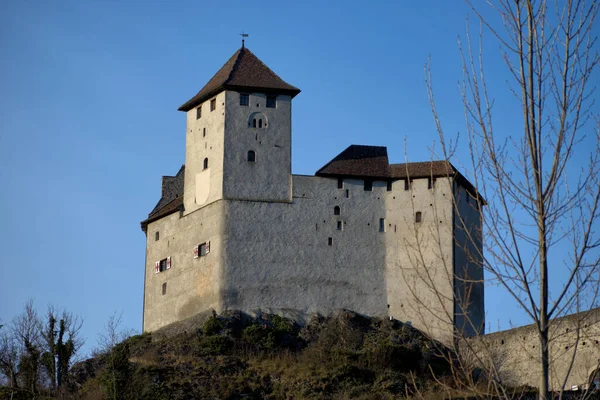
89,120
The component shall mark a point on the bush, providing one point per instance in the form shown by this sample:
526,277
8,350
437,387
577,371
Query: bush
260,336
212,326
217,344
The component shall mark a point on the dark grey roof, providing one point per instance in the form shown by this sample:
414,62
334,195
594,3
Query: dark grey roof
171,199
372,162
242,72
359,161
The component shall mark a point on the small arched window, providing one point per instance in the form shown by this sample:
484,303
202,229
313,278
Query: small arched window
260,123
251,156
205,163
254,123
336,210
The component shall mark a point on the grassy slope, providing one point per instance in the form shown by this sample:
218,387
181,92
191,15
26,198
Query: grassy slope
235,356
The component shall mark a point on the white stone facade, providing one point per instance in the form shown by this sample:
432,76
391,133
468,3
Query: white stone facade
278,245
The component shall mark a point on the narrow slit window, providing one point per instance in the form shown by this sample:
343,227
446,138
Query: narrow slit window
199,112
164,288
368,185
418,216
203,132
260,123
254,123
429,183
244,99
330,241
389,186
205,163
381,224
340,226
347,193
251,156
156,236
337,210
407,184
340,183
213,104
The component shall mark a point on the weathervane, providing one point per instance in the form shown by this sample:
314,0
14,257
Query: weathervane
243,35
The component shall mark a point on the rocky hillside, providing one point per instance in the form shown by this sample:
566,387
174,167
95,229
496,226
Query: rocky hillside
235,356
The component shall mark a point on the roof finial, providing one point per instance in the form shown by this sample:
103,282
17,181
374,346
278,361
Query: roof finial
243,35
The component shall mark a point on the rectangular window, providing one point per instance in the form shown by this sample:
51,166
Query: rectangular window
201,249
164,288
340,226
340,183
244,99
162,266
389,186
330,241
381,224
199,112
347,193
407,184
156,236
213,104
271,101
418,216
429,183
368,185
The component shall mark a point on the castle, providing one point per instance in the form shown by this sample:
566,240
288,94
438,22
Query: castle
235,229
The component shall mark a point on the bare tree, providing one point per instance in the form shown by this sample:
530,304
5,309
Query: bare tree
9,357
25,329
543,184
62,341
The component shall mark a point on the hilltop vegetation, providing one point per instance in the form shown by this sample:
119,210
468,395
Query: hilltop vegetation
234,356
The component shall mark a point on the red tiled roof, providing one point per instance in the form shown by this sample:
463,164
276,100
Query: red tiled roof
242,72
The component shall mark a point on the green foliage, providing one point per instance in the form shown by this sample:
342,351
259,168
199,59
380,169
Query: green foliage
217,344
260,336
116,375
212,326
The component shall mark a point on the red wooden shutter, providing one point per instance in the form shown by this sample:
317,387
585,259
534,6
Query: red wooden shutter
196,251
208,247
168,262
157,267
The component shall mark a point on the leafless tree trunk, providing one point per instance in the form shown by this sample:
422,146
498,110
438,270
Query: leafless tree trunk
543,184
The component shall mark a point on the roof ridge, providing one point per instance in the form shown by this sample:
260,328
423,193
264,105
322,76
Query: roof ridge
235,65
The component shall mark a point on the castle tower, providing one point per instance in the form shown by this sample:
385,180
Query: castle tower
238,135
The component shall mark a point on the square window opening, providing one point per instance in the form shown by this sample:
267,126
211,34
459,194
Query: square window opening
368,185
244,99
271,101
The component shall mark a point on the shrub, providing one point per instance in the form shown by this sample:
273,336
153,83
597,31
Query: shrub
260,336
217,344
212,326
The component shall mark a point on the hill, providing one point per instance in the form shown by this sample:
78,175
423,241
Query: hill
234,356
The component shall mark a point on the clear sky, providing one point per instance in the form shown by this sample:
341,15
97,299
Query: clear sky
89,91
